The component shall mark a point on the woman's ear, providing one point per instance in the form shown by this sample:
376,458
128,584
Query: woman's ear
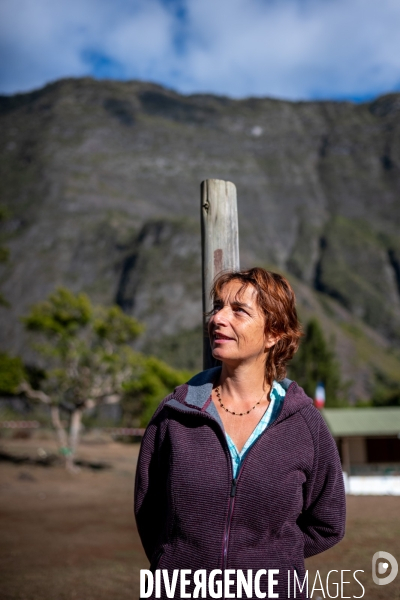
270,340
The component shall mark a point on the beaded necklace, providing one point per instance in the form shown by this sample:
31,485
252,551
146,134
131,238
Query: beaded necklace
218,394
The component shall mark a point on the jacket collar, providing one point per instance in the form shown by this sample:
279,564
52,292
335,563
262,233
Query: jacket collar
195,396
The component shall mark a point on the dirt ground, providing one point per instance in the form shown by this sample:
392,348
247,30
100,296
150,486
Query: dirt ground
73,537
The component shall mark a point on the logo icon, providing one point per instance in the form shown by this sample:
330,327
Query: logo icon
383,568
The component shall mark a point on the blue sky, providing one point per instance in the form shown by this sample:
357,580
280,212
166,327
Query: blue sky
294,49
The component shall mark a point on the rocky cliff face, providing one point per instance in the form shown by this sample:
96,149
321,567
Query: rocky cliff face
102,183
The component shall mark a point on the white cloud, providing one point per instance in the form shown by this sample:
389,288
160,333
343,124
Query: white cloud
296,49
143,41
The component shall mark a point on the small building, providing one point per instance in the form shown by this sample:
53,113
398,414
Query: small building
368,440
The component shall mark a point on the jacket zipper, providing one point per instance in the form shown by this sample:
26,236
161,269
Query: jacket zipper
228,523
233,495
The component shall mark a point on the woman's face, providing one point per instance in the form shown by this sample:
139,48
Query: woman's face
237,326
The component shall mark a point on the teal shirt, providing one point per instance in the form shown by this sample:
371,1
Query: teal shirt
277,396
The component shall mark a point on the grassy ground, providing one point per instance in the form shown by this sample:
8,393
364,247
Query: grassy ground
72,537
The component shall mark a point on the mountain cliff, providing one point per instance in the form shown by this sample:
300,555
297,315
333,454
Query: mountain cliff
101,181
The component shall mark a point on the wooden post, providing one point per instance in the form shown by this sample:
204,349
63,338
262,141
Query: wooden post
219,242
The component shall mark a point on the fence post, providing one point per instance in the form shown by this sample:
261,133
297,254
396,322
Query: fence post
219,243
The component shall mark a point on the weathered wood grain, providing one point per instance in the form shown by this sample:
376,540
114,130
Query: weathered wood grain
219,242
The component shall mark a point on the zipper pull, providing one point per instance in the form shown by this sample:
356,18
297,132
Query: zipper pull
233,488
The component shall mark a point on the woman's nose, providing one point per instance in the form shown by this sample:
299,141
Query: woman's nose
221,315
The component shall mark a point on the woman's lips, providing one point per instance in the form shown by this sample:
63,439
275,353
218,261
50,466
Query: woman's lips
221,339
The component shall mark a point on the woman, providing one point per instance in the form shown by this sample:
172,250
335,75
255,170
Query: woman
237,469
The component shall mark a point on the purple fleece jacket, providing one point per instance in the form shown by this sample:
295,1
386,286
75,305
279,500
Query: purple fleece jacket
286,504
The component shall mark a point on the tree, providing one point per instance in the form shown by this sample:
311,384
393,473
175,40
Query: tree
386,391
315,362
144,393
12,373
88,355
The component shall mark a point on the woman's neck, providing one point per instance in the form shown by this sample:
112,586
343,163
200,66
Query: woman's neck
244,382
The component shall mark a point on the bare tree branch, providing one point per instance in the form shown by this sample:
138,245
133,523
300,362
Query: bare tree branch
26,389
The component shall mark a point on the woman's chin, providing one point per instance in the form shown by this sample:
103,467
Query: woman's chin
216,352
219,354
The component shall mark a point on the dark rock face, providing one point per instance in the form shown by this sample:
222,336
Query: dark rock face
160,279
356,268
102,183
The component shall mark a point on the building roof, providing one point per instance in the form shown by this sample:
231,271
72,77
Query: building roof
363,421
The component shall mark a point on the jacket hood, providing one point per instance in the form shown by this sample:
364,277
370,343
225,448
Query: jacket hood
195,396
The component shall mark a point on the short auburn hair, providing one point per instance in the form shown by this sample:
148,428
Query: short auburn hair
276,299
